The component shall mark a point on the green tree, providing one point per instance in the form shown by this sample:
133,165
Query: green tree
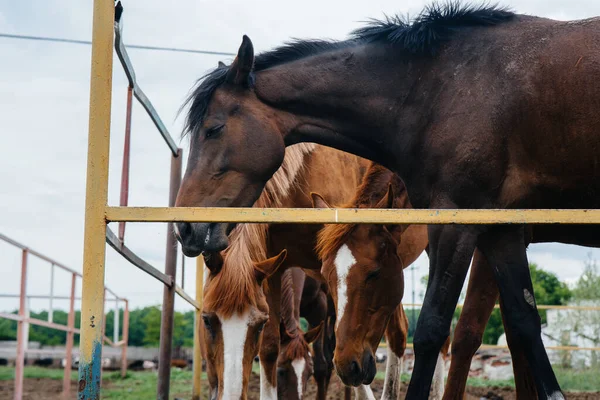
548,290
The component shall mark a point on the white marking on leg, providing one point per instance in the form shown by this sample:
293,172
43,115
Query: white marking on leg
344,260
393,369
267,391
438,379
234,337
556,396
298,365
364,392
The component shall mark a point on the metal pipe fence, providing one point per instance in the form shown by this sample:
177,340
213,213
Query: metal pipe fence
24,320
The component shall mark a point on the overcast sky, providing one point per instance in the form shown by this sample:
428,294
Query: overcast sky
44,94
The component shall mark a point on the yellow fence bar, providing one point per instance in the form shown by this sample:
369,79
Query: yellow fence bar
92,304
349,215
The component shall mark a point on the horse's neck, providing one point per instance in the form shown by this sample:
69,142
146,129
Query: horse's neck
333,174
355,105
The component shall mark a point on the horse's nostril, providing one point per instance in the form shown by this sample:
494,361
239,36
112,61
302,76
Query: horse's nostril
354,368
182,229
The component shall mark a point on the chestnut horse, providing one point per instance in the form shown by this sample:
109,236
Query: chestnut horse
473,107
363,265
234,299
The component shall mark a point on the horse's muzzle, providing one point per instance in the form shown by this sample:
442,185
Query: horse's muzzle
355,372
198,237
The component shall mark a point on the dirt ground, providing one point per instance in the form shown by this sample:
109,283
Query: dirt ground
49,389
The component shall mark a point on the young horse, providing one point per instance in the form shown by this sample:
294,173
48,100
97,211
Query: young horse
468,105
295,362
363,266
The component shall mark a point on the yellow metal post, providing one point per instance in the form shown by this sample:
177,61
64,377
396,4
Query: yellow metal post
196,384
92,304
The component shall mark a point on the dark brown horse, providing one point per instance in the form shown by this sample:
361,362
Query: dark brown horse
472,107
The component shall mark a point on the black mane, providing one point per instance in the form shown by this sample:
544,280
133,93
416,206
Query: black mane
419,36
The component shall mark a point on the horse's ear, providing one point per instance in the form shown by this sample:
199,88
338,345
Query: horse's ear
213,261
318,201
265,269
240,69
221,64
311,335
388,200
284,335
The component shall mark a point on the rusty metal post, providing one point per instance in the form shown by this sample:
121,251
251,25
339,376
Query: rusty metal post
20,361
197,361
125,339
168,306
96,199
125,171
116,321
70,333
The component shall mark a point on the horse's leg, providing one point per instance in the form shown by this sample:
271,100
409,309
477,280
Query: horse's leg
438,379
524,382
396,333
504,249
322,372
269,345
482,293
363,392
347,393
451,248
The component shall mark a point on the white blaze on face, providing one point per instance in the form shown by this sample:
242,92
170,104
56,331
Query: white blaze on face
344,260
234,337
267,391
299,364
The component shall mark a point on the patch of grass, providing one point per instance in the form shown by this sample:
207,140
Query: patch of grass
8,373
482,382
578,379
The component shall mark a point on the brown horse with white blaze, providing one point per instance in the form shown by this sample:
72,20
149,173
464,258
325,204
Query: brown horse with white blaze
473,107
363,265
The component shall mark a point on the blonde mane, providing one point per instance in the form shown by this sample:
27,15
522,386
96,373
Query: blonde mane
232,290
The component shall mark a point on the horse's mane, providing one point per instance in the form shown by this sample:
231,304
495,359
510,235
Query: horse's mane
232,290
297,346
419,36
373,187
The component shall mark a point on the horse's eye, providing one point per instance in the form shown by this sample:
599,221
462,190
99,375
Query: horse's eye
207,323
215,130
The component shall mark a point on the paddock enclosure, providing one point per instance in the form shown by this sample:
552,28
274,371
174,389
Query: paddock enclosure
99,214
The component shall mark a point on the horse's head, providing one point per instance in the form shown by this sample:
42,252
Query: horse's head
234,313
295,363
364,273
235,147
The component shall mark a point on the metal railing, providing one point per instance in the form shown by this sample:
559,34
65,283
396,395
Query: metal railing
539,307
98,213
90,368
24,320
